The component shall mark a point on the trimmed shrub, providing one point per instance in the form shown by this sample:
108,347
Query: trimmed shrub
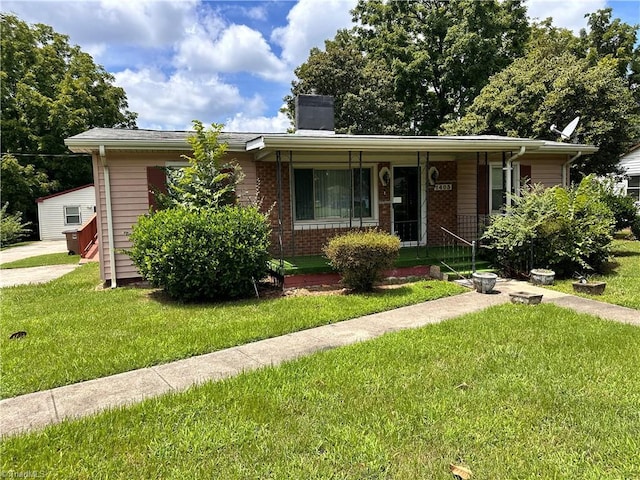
12,228
204,254
567,231
361,257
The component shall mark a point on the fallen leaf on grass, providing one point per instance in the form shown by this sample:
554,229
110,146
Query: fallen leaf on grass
460,472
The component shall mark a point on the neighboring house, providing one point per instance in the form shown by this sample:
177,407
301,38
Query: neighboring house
65,211
318,183
630,165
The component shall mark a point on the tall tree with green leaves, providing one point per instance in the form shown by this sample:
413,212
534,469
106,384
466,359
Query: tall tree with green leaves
210,180
563,76
425,60
51,90
363,91
614,39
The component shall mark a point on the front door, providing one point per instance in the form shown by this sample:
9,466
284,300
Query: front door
406,203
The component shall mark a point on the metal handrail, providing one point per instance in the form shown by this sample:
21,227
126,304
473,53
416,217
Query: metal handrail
473,251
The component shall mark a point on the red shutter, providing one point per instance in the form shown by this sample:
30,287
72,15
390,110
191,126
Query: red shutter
525,175
483,190
157,181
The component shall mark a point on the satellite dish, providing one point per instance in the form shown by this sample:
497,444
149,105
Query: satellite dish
568,130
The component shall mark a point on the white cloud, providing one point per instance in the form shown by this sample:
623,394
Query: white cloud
311,22
147,23
238,49
568,13
257,13
243,123
172,102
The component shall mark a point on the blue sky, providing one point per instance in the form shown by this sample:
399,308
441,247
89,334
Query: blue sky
224,61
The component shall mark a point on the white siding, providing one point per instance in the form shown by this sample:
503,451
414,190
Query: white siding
51,212
630,163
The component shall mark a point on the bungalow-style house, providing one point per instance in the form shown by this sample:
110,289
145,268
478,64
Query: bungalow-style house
65,211
318,183
630,166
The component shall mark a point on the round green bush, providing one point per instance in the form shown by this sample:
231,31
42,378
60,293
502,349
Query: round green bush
361,256
204,254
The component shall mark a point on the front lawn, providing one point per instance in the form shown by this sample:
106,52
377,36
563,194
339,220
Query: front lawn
622,277
43,260
75,332
513,392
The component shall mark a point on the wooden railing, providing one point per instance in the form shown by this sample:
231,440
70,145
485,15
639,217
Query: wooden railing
87,235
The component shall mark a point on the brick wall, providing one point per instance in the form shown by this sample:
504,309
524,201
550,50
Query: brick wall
442,204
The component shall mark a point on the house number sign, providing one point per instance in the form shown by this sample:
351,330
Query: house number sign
441,187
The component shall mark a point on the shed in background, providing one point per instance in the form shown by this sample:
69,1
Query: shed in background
630,166
65,211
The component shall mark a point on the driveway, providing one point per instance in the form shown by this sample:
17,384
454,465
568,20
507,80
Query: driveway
23,276
33,250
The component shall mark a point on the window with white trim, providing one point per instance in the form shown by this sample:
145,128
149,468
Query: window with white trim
497,185
329,194
72,215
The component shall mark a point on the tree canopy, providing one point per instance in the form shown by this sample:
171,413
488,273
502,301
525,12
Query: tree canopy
561,77
420,62
51,90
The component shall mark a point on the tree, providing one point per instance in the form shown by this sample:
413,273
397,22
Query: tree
209,181
408,66
441,53
362,88
612,39
51,90
540,89
21,185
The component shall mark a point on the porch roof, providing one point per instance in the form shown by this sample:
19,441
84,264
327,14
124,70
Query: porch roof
453,144
264,143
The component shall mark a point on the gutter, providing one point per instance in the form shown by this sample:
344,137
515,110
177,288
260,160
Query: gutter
107,193
565,168
509,169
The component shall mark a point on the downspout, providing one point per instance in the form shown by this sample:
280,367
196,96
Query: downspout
565,168
107,193
508,170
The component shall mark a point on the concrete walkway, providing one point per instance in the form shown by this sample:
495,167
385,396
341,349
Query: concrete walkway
24,276
32,250
38,409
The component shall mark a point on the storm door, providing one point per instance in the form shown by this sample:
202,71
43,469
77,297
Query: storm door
406,203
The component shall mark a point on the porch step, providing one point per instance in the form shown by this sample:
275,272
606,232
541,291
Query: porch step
91,255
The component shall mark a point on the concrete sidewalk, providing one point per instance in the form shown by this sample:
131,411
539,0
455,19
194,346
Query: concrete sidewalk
38,409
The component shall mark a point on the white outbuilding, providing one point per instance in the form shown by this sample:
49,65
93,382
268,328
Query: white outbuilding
65,211
630,166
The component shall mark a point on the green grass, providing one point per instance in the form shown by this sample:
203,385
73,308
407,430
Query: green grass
43,260
552,394
76,333
622,277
